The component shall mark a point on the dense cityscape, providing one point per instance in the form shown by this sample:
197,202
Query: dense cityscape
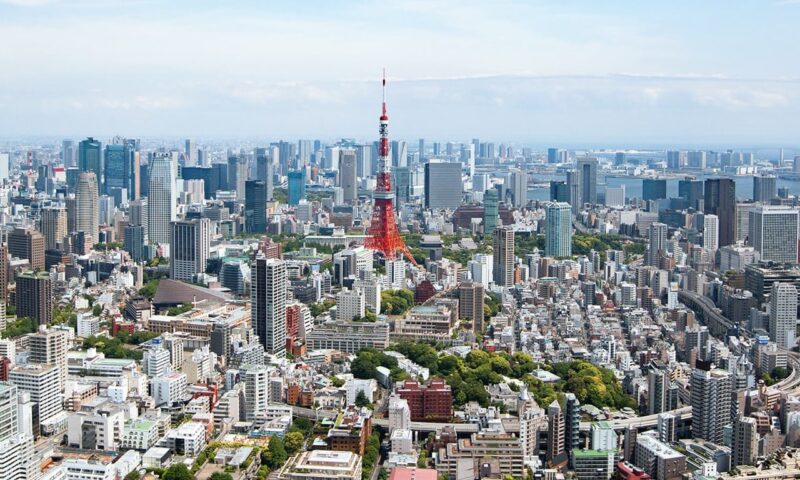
374,309
548,241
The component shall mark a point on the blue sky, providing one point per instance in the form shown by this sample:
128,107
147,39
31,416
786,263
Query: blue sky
573,72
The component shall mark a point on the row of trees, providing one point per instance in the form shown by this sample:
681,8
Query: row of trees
467,377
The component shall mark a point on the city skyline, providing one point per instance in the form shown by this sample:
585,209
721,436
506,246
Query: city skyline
531,73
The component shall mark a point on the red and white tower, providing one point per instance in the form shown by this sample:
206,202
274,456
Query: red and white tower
383,234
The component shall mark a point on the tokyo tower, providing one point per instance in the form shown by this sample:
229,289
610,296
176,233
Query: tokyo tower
383,234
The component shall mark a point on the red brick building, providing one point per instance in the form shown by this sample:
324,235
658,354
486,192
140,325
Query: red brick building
431,403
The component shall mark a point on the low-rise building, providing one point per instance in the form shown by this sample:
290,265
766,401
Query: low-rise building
322,465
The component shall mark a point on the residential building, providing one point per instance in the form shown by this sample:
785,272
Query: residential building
268,285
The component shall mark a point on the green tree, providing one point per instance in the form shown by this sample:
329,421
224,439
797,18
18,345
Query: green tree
362,400
275,455
293,442
177,471
220,476
97,309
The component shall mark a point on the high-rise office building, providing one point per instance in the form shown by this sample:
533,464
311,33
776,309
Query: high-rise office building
691,190
586,169
503,268
255,206
237,175
27,243
443,187
711,232
573,187
53,225
720,200
783,314
264,170
135,240
558,230
35,297
654,189
190,242
711,403
773,232
744,450
764,188
161,199
268,303
490,211
297,186
519,187
402,184
399,153
88,208
120,167
190,153
348,174
559,191
90,159
137,214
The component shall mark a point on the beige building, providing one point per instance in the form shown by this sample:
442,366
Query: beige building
322,465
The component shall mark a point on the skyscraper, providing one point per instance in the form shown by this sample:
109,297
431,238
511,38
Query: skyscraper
559,191
190,153
35,297
764,188
27,243
773,232
573,187
711,403
119,167
443,187
255,206
587,180
348,178
519,187
503,269
783,314
720,200
161,199
53,226
297,186
711,232
237,175
490,211
691,190
268,303
654,189
264,170
190,242
558,232
90,159
402,184
88,208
